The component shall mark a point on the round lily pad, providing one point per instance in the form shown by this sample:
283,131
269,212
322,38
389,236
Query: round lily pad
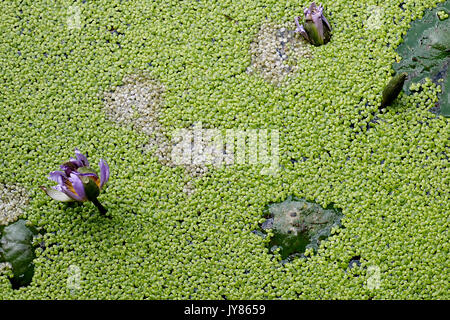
298,224
17,249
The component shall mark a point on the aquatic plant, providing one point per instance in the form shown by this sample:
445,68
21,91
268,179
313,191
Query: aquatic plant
78,181
16,249
393,89
425,54
298,225
316,29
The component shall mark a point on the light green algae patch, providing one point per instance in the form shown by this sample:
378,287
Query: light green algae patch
59,61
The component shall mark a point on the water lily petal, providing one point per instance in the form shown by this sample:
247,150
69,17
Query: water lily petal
57,176
326,22
58,188
71,166
317,20
297,23
57,195
72,194
78,186
301,29
68,189
104,172
306,11
76,162
81,157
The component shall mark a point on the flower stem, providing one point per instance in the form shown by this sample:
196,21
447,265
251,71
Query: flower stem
99,206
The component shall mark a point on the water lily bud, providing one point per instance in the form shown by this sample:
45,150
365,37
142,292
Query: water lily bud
393,89
316,28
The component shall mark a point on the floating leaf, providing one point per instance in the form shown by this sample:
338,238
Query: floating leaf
425,53
298,225
393,89
17,249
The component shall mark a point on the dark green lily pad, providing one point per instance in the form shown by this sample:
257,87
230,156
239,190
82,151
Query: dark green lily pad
425,53
298,225
16,248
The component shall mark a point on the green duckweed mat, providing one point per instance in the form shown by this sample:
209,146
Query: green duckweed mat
117,79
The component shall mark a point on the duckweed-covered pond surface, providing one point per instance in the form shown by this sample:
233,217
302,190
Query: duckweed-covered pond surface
121,79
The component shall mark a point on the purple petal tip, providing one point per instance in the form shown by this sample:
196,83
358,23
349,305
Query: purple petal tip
104,172
82,158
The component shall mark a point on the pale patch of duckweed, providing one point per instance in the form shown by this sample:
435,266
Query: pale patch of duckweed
13,200
276,51
189,188
137,103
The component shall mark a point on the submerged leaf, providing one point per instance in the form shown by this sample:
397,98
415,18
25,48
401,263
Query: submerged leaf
425,53
17,249
298,225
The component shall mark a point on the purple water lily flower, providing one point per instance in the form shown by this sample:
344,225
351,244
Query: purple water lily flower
78,182
316,29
